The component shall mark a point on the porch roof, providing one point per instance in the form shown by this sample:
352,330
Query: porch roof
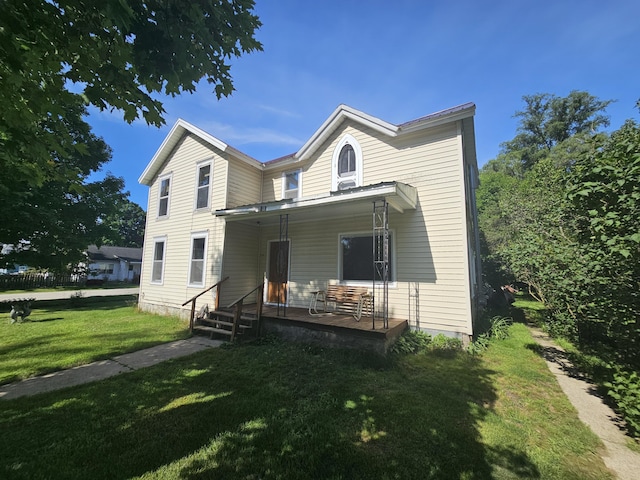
354,201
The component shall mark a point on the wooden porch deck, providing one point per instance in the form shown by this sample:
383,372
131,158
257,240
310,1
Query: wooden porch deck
333,329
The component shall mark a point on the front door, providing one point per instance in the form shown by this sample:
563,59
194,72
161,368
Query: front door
278,272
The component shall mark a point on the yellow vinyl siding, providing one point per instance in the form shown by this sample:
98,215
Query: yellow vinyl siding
244,184
430,242
240,261
182,221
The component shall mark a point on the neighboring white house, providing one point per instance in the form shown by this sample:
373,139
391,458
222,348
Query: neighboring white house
114,263
303,221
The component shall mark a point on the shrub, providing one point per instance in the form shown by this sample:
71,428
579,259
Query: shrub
499,329
624,389
411,342
442,342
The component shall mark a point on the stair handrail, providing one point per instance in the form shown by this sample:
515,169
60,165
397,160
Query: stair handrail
237,313
195,297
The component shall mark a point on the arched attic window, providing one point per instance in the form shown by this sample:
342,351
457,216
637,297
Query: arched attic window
346,166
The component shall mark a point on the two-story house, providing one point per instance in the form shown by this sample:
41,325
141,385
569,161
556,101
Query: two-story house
362,202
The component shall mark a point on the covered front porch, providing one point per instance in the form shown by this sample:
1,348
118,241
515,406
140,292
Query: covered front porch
335,329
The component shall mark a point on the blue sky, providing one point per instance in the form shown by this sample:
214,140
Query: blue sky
399,60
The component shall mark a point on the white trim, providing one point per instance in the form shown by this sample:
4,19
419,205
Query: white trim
156,240
180,128
339,114
199,166
347,139
168,176
194,236
283,191
465,231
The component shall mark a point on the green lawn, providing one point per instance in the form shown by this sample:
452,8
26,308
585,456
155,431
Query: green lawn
66,333
274,410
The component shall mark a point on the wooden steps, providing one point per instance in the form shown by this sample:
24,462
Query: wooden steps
220,323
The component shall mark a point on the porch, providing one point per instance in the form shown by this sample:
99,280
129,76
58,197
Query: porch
334,330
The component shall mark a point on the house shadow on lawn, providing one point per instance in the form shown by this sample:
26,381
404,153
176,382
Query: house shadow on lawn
270,410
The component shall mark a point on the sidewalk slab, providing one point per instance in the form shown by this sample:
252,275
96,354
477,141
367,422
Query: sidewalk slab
160,353
62,379
592,410
106,368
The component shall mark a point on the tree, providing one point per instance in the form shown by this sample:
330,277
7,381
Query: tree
548,120
57,57
126,225
120,53
604,191
50,212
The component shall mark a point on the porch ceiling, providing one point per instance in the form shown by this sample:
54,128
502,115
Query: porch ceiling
352,202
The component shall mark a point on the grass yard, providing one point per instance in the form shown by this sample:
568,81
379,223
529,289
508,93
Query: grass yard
273,410
66,333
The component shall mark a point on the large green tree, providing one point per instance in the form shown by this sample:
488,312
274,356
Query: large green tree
548,120
58,57
125,225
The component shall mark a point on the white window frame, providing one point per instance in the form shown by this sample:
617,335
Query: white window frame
163,262
168,196
298,191
347,139
392,256
196,236
200,166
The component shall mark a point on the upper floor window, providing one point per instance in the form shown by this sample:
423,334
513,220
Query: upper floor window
163,197
346,167
291,184
203,183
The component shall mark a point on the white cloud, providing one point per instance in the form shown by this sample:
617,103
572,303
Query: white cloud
243,136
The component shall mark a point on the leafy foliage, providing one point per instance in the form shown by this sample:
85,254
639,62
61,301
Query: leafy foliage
412,342
548,120
56,58
625,390
126,225
568,225
499,330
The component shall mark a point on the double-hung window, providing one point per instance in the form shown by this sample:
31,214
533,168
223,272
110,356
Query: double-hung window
291,184
198,259
357,258
203,184
163,196
157,270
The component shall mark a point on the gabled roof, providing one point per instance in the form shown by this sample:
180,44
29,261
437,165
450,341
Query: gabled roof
181,128
340,114
344,112
107,252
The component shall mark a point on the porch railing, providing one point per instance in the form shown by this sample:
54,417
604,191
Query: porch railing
237,310
195,297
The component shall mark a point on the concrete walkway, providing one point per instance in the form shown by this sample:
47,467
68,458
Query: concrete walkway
62,294
593,412
106,368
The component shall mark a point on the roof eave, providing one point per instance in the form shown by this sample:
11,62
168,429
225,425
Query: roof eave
335,119
179,129
400,196
439,118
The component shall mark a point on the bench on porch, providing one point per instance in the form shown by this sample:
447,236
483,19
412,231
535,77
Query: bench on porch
341,299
